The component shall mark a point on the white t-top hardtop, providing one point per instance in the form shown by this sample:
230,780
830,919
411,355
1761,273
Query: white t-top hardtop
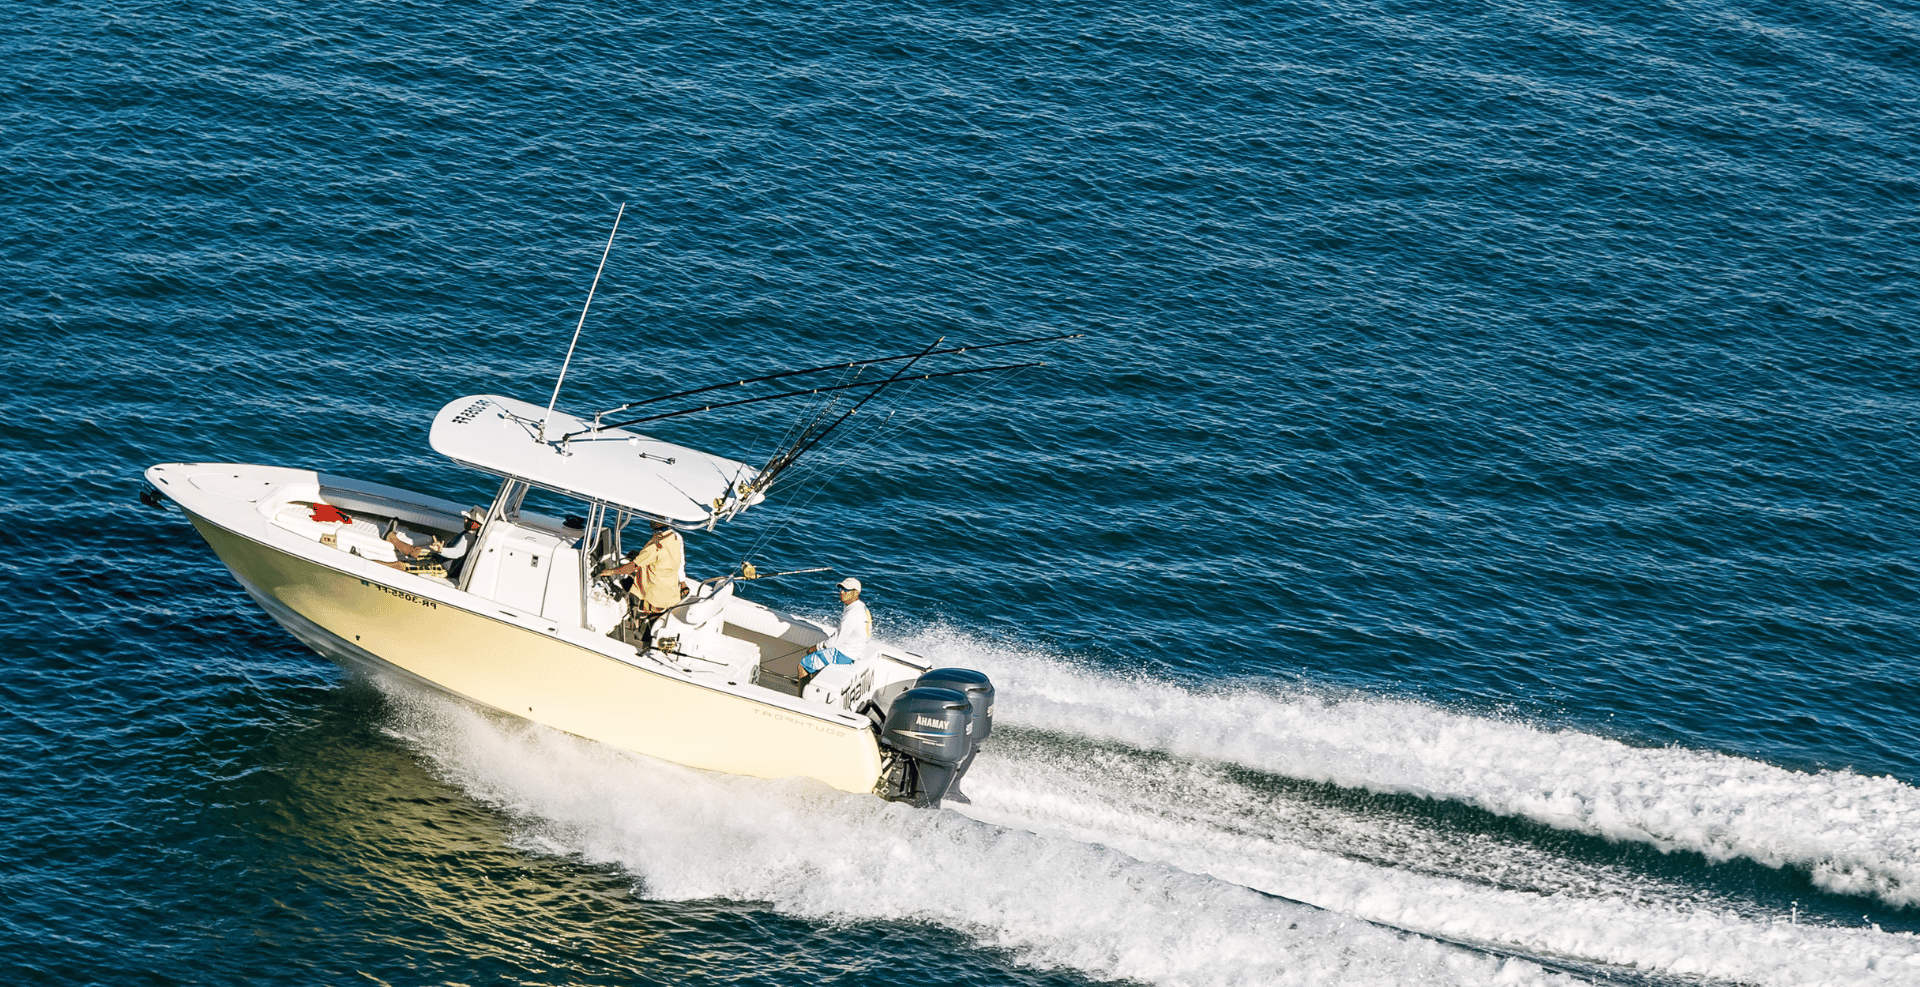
625,469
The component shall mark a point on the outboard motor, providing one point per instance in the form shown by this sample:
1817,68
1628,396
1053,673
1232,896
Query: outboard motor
979,691
926,737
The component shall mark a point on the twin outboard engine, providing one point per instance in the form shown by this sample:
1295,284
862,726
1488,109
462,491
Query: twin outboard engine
979,693
931,735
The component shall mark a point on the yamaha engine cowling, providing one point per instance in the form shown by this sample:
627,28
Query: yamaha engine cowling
927,736
979,691
971,684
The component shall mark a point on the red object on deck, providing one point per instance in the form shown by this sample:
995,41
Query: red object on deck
328,512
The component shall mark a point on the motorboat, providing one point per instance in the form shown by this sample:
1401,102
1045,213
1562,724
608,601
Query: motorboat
527,622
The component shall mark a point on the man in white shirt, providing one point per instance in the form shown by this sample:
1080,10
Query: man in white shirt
847,644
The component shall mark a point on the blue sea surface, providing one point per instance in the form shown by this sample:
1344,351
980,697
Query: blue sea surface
1472,542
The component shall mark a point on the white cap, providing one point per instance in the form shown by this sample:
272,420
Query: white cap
850,583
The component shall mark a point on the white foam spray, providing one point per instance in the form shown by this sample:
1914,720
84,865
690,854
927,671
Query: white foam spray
1854,834
1459,887
1116,841
825,855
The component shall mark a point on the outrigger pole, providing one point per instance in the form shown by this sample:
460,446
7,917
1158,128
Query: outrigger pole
835,366
815,431
583,321
876,385
809,438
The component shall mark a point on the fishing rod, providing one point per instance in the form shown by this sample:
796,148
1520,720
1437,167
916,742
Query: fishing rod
834,366
714,586
747,571
787,394
808,439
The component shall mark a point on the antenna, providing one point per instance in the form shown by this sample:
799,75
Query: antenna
583,321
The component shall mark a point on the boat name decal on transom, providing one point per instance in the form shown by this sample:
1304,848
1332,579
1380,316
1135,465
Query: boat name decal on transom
409,597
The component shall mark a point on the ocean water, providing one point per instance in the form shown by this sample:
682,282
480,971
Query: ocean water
1472,543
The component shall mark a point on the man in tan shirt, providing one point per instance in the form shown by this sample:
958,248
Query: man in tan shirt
659,571
660,568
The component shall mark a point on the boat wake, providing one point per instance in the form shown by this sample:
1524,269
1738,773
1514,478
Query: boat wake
1135,829
1853,834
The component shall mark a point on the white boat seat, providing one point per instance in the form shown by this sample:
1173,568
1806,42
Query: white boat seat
702,612
694,622
357,537
734,660
698,630
363,538
842,686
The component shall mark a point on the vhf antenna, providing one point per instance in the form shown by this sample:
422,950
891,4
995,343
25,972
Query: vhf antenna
583,321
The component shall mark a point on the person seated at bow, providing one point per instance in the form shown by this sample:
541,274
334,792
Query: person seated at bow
451,555
659,571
